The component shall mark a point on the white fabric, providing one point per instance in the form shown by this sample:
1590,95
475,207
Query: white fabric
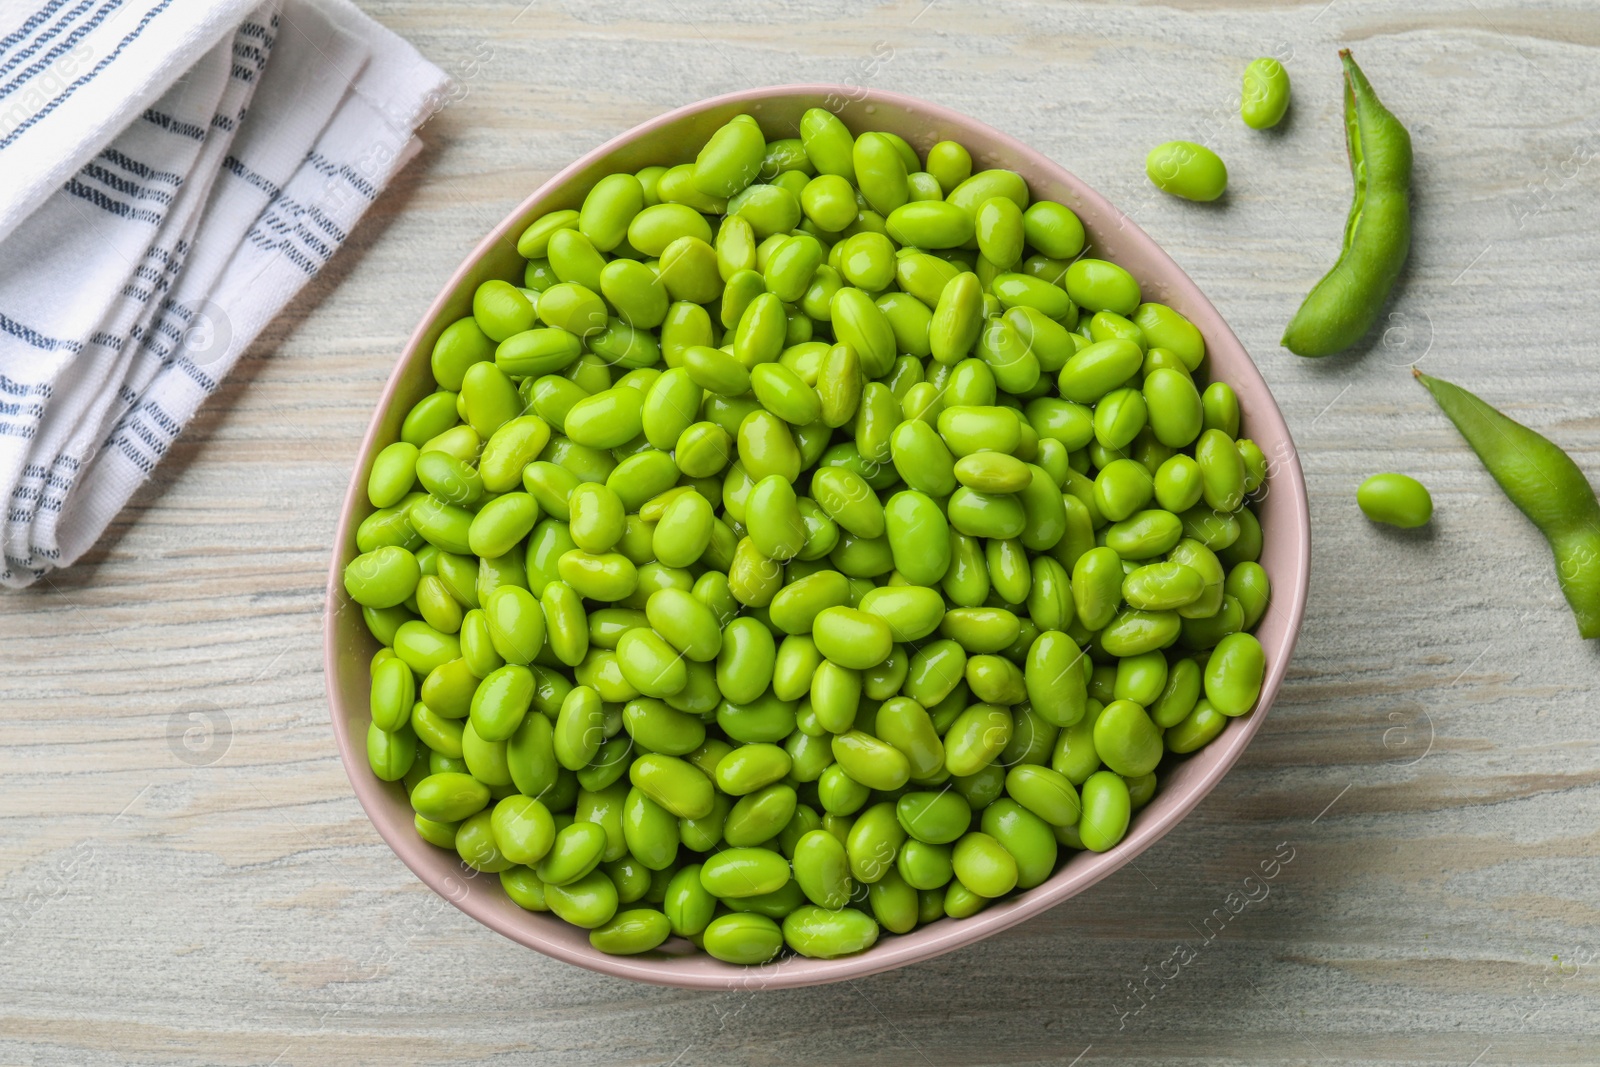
131,288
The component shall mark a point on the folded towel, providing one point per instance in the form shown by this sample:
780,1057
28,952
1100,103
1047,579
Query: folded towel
168,182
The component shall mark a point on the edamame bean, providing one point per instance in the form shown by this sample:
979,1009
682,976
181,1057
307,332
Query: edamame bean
1186,169
1106,810
1396,499
1265,96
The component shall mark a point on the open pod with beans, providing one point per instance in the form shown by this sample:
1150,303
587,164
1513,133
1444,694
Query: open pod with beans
814,545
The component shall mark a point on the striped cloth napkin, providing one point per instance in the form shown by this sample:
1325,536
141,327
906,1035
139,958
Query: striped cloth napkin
171,173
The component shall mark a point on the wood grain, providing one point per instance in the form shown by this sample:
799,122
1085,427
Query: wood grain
1431,765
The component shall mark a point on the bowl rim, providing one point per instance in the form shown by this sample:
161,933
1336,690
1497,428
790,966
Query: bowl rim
448,879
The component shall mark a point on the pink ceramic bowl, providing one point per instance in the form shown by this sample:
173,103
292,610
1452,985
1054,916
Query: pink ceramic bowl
674,138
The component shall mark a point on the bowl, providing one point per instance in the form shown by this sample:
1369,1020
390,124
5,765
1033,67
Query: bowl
674,138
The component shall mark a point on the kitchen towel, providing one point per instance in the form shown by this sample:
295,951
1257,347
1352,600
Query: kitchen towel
171,174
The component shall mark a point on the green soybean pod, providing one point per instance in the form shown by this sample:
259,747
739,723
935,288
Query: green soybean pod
1106,810
1187,169
1234,673
1265,96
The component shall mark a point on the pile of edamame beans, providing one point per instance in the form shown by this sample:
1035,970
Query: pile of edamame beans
814,544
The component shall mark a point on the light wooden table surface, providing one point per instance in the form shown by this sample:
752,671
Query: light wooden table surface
1431,763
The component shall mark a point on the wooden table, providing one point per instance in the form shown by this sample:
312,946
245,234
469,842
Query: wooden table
185,876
